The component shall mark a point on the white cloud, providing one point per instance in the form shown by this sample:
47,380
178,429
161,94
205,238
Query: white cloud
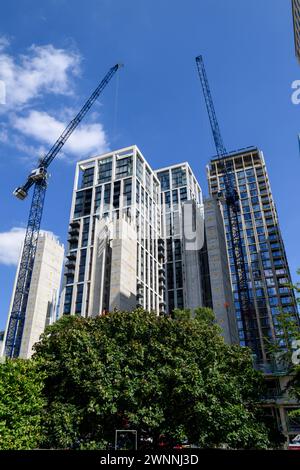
11,244
4,42
43,69
87,139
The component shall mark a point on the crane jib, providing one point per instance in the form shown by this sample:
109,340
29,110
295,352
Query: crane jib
38,178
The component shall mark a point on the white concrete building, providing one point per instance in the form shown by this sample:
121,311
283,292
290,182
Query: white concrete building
114,253
43,292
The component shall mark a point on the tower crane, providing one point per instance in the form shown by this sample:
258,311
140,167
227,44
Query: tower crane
38,179
231,200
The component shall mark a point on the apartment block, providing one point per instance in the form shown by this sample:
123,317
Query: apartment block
266,263
114,257
43,292
196,268
183,232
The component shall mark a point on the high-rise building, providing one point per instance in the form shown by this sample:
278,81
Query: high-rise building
296,21
195,261
114,247
183,276
264,254
43,292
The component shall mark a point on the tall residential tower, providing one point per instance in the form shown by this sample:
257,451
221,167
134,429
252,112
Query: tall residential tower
114,247
266,263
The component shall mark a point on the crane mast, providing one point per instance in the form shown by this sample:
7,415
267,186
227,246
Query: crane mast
38,179
232,205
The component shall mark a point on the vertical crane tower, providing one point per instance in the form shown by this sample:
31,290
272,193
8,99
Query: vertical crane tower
38,179
231,200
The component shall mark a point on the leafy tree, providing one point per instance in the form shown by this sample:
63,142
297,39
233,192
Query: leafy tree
158,375
21,405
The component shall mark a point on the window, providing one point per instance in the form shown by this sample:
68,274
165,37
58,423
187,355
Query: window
78,303
164,178
183,194
175,196
148,179
106,197
68,300
179,298
82,266
104,170
170,279
123,167
273,301
169,250
116,197
177,251
178,274
87,177
178,177
98,198
139,168
167,200
83,203
85,231
127,192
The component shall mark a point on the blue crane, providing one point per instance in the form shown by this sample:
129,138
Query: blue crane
38,179
231,200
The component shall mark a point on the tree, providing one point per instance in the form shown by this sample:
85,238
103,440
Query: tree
21,405
158,375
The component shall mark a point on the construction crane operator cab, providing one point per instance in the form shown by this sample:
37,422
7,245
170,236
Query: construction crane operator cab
37,175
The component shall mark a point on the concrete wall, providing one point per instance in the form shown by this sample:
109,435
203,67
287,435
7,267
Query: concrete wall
193,240
222,298
102,237
43,291
123,267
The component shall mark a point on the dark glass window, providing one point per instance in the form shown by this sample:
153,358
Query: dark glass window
78,303
178,177
98,198
83,203
170,276
177,244
82,266
117,191
105,170
124,167
127,192
87,177
139,168
183,194
164,178
179,298
85,231
106,197
68,300
178,274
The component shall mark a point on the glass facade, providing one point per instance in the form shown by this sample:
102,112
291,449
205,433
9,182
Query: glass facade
178,184
120,184
264,254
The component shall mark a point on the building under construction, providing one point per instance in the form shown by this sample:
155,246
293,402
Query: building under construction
267,271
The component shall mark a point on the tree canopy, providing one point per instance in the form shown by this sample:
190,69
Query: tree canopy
159,375
21,405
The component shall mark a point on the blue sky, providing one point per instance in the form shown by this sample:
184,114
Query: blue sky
53,54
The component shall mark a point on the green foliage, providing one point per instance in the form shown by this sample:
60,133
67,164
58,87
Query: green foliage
157,375
21,405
